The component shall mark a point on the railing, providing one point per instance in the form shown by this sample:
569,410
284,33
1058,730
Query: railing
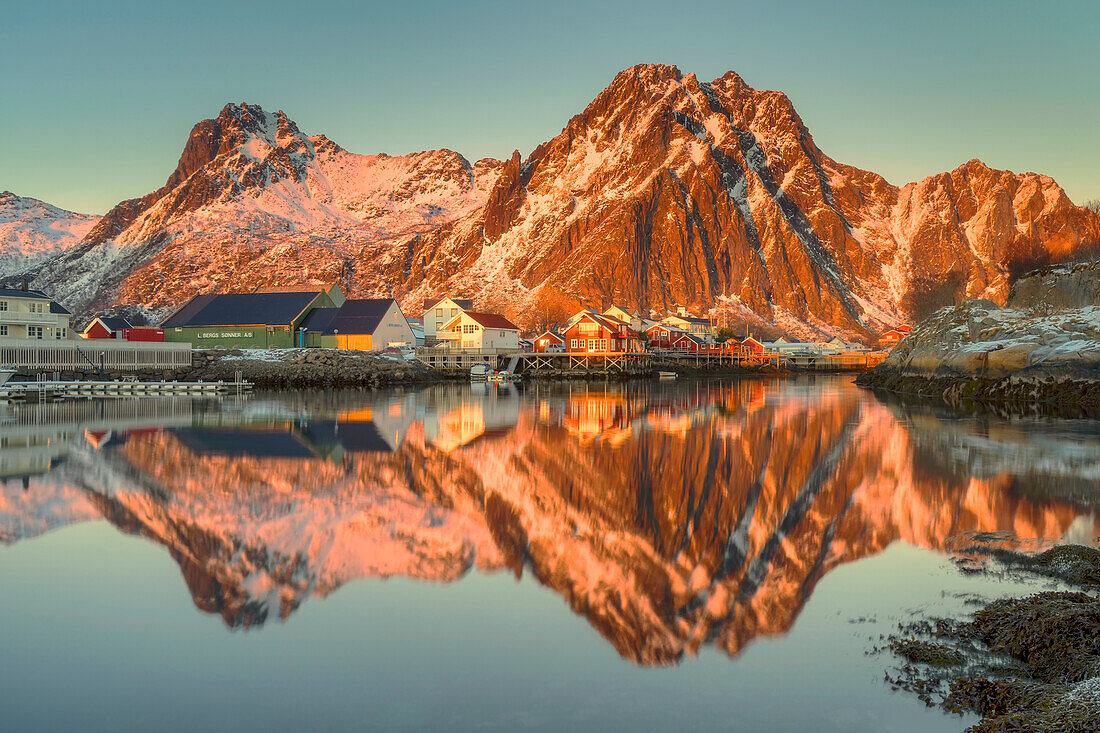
26,317
454,358
63,354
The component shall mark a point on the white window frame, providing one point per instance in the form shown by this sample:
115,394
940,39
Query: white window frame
573,344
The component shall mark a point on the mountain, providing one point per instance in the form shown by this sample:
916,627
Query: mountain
32,231
665,189
254,201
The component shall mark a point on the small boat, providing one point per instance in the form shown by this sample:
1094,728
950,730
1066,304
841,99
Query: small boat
5,375
666,375
480,372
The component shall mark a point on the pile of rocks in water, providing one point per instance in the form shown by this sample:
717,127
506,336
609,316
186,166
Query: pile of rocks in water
305,368
1021,663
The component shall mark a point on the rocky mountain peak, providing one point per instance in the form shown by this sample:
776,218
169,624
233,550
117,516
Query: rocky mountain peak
665,190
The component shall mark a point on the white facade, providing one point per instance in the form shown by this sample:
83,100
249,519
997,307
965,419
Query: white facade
475,331
31,315
621,314
393,329
439,315
695,326
782,346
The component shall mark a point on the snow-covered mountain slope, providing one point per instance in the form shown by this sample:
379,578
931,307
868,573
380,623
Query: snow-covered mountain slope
671,190
247,182
32,231
665,190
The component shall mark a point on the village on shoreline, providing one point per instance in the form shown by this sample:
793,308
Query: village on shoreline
448,335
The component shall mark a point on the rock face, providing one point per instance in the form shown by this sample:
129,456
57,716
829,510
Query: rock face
32,231
1044,346
664,190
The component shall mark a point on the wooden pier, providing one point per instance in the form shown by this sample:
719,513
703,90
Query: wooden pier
625,363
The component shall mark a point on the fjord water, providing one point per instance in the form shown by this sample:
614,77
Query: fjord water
711,555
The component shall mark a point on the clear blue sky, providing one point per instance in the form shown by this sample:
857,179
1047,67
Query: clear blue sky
101,96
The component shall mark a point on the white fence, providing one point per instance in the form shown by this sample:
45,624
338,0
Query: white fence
453,358
85,354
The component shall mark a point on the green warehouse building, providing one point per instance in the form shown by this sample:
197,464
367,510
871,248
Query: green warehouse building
267,318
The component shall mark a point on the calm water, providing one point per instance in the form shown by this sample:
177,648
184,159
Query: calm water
694,555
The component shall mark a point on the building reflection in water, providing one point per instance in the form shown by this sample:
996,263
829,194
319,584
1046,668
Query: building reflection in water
669,516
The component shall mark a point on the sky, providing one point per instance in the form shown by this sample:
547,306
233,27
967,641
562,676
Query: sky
101,97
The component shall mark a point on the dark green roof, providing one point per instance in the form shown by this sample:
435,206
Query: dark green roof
241,309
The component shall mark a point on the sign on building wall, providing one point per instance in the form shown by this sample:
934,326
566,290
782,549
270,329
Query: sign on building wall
225,335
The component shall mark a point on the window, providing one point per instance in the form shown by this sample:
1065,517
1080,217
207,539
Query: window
603,344
454,312
439,312
591,344
588,327
572,342
3,305
34,332
59,333
3,330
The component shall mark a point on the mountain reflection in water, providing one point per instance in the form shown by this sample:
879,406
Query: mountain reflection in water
669,516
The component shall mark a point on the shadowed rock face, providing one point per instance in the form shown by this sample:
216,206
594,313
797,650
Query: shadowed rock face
665,190
669,520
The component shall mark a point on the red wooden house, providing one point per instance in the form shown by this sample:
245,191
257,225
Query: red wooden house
751,346
664,336
105,327
549,341
893,337
593,333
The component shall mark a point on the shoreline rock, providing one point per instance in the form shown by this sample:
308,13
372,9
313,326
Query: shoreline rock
1041,349
306,368
1030,663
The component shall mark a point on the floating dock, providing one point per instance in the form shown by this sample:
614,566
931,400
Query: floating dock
50,390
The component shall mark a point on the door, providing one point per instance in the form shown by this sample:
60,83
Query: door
354,342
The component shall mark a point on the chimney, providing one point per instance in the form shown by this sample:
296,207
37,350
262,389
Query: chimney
25,285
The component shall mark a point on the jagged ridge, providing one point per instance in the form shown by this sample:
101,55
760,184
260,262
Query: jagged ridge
666,189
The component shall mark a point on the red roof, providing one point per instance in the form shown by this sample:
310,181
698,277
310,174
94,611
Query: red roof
551,334
492,320
609,322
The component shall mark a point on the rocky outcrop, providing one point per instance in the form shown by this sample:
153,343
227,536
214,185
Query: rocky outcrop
1043,348
306,368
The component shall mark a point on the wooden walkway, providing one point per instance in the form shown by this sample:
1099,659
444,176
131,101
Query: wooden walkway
529,362
43,390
